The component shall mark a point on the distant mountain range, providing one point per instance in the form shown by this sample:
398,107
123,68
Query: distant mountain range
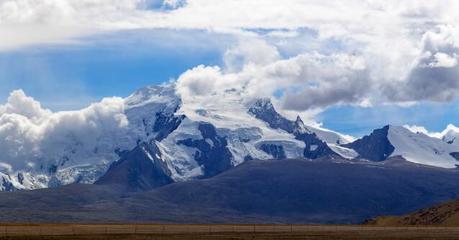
182,141
232,160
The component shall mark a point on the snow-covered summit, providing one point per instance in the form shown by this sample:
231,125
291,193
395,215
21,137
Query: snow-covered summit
416,147
157,94
422,149
451,135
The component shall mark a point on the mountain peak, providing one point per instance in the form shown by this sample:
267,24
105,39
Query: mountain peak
264,110
374,147
299,120
415,147
262,104
153,94
450,134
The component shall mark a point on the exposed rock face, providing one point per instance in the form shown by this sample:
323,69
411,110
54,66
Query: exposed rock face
212,151
264,110
138,170
455,155
276,151
375,147
166,124
6,185
314,147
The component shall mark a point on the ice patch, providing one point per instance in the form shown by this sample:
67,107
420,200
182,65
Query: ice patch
420,148
344,152
313,148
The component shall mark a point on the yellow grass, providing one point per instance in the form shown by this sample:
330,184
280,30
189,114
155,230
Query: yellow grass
243,232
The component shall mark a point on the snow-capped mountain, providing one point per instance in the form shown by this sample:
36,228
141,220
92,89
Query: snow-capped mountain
418,147
193,139
177,139
450,135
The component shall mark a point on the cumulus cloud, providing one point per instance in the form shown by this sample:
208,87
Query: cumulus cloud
200,81
384,53
250,51
443,60
363,52
19,103
308,81
316,80
28,131
435,74
328,80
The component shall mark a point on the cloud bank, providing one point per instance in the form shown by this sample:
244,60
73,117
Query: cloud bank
27,130
316,80
309,54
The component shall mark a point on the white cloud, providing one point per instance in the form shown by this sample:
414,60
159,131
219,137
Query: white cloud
362,20
309,81
27,131
19,103
28,22
329,80
250,51
433,74
383,53
200,81
362,52
443,60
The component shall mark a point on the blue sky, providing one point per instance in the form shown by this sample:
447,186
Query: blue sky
65,77
360,121
338,65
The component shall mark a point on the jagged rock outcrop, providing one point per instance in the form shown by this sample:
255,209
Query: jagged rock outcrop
138,170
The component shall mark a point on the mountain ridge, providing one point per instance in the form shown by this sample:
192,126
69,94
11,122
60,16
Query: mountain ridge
198,140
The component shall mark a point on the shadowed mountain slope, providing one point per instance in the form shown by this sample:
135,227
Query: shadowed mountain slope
290,191
138,170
